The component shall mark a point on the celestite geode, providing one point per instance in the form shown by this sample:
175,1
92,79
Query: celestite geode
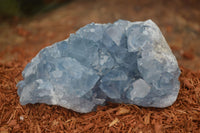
124,62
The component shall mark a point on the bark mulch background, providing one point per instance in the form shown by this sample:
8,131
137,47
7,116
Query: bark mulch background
21,40
182,116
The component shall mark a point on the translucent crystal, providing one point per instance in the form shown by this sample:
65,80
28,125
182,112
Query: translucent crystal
124,62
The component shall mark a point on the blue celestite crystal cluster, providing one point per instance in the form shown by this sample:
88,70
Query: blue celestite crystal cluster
123,62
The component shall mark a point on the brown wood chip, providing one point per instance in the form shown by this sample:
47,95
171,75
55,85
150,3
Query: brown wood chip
182,116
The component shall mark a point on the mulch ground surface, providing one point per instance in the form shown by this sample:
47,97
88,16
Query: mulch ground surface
21,40
182,116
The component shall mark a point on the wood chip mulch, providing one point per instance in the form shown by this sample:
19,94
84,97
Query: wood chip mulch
182,116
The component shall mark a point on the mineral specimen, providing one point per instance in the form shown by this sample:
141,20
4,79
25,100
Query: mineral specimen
124,62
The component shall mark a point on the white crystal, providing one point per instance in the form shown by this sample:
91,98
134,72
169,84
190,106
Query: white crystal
140,89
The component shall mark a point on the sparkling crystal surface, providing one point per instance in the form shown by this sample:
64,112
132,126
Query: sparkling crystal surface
123,62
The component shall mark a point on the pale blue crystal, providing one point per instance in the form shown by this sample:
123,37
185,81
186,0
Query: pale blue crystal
124,62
